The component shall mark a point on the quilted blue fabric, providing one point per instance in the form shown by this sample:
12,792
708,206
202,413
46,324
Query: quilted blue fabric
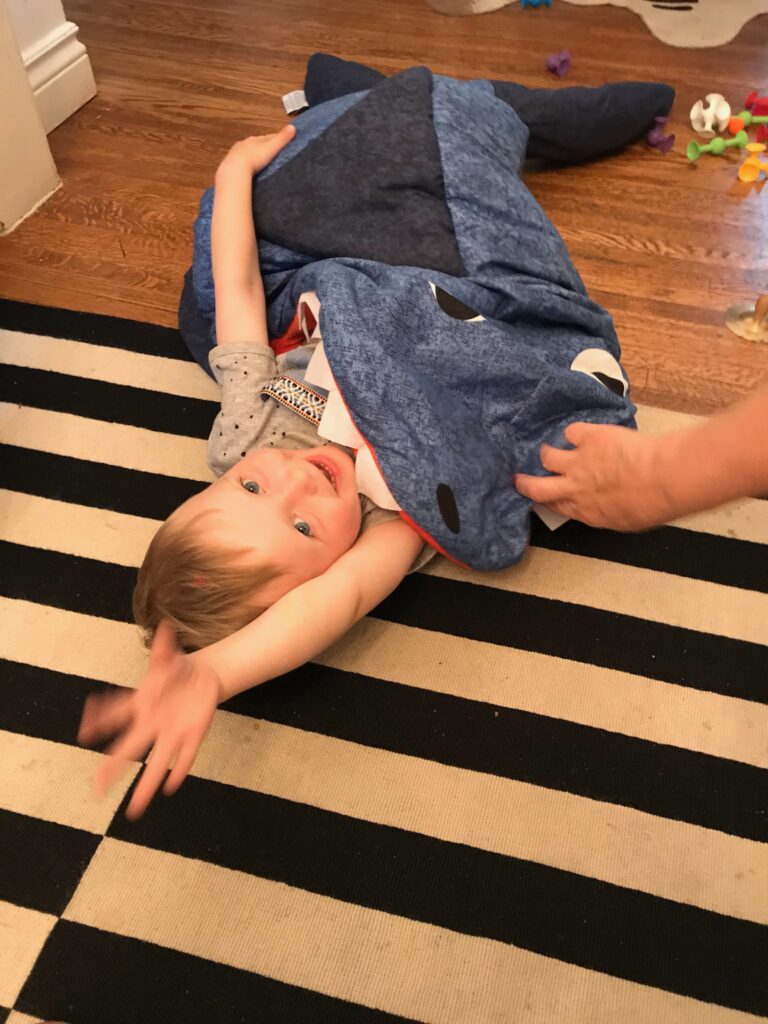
459,355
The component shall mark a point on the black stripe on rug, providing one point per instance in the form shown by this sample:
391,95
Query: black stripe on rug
687,553
41,863
113,403
560,629
96,977
659,779
556,913
93,328
94,484
701,556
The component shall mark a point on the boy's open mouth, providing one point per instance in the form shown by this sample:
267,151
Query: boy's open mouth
327,470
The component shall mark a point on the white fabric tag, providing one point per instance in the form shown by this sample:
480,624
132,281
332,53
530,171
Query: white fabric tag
371,482
319,370
309,316
294,101
337,426
550,518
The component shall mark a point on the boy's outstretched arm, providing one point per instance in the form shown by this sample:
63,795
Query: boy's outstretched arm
239,292
173,707
315,614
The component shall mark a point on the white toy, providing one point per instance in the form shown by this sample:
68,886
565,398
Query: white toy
710,116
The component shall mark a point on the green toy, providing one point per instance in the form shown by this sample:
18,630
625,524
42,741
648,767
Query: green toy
717,146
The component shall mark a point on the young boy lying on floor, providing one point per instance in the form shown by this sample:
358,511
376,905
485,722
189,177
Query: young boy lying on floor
271,563
281,556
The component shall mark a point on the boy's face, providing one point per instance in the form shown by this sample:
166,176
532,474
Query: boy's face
297,509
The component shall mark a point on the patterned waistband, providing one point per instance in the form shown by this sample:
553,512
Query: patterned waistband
307,401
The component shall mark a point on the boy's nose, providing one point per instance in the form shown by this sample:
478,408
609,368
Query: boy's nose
298,482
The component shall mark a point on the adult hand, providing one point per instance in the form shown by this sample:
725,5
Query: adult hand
169,714
610,479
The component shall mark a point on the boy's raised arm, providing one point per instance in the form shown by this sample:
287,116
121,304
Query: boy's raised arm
173,707
315,614
240,309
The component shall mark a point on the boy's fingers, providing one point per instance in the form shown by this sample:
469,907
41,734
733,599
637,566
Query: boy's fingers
111,770
184,761
157,766
129,748
282,138
543,489
104,715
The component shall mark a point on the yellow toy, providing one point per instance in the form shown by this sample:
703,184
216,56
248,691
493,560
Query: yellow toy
753,166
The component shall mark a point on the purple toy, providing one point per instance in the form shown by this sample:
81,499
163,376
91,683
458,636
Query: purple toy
657,138
559,63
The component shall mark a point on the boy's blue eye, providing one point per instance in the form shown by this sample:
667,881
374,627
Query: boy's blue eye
252,486
303,527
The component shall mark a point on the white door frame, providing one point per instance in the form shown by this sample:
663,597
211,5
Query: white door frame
28,174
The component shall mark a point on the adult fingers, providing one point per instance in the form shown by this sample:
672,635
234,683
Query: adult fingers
158,763
556,460
577,433
543,489
104,715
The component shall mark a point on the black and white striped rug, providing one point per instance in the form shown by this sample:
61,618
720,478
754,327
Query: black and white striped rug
537,796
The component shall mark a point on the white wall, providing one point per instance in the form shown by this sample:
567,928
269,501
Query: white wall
56,61
27,172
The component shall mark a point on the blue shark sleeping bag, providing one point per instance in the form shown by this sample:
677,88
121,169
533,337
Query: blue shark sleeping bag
458,331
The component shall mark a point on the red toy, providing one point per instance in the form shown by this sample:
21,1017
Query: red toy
758,105
753,100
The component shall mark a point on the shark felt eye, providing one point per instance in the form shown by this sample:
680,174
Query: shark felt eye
600,364
449,510
453,307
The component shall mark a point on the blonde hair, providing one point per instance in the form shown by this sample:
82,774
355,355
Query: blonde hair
205,592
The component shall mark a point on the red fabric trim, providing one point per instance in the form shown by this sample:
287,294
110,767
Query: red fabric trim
430,540
293,337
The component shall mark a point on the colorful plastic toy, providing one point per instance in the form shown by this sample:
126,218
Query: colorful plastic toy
535,3
753,103
717,146
559,63
710,115
657,138
745,120
758,107
753,166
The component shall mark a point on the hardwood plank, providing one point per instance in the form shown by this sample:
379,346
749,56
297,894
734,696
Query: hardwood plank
666,246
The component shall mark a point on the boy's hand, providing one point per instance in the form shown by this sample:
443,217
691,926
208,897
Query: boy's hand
169,713
253,154
611,479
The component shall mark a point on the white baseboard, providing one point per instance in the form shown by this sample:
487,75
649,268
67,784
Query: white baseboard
60,74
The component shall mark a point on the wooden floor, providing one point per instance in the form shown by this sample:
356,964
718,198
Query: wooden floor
666,246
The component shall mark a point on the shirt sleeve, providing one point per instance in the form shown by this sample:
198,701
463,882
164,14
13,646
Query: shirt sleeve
241,371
